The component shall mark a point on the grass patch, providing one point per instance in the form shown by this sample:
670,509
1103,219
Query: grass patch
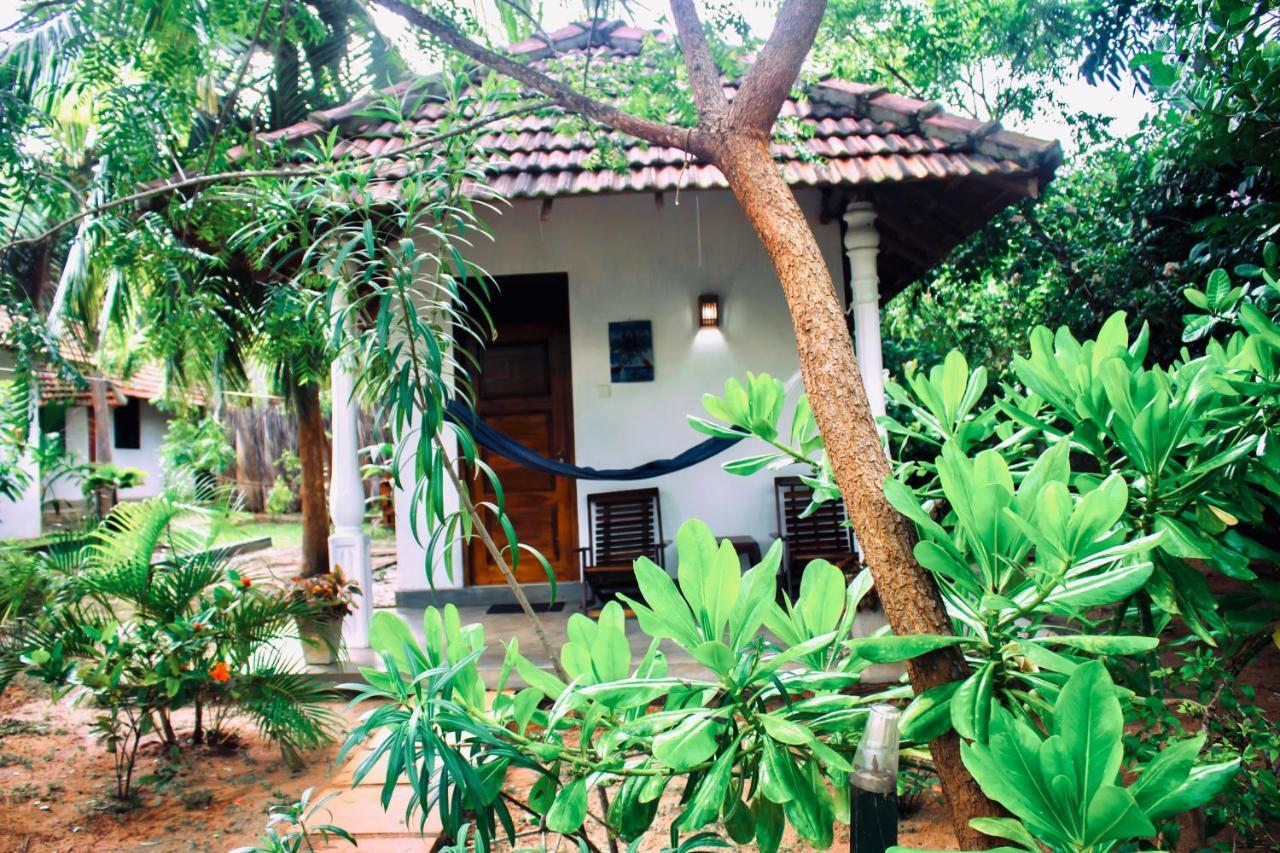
284,534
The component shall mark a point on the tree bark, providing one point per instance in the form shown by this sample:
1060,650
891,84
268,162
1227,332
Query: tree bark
105,497
911,599
311,456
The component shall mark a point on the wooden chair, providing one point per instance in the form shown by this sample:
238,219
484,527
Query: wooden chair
621,526
820,536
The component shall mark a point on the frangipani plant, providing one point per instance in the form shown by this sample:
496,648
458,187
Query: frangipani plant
1060,776
764,740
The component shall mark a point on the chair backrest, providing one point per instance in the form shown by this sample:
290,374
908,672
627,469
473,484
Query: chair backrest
624,525
822,532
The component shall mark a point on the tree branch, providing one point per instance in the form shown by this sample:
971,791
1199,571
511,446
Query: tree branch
704,77
686,139
768,82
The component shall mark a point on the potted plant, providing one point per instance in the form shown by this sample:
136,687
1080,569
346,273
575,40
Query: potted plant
329,598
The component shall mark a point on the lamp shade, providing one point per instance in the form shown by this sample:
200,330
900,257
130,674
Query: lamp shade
708,311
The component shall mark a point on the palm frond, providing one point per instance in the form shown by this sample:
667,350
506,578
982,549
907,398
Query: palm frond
288,705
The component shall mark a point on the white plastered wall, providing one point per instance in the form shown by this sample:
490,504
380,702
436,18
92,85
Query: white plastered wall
626,258
154,425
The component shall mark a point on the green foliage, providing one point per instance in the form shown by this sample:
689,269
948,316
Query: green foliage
108,475
1060,777
141,619
1059,517
281,498
765,742
1129,219
15,414
1228,712
195,447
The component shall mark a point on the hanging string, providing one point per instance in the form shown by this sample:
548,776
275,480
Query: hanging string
697,216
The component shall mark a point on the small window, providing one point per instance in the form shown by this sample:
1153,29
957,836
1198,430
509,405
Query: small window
128,424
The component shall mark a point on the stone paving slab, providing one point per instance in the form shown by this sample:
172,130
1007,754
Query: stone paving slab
383,844
359,809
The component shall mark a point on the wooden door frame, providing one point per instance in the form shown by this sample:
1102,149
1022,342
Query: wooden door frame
560,352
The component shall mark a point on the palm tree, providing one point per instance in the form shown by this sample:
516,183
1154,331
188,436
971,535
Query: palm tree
164,284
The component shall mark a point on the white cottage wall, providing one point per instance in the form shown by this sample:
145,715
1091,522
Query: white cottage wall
155,424
77,444
626,258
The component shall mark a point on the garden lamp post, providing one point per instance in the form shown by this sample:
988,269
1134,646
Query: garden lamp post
873,785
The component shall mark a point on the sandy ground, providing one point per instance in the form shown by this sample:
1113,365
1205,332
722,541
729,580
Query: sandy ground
56,784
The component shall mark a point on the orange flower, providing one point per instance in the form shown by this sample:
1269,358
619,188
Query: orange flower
220,671
246,582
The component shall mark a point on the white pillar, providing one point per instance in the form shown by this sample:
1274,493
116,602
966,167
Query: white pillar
348,545
862,244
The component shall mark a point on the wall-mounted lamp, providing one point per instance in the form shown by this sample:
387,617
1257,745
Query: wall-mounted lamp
708,311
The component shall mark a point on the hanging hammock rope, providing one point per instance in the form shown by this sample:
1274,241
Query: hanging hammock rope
508,448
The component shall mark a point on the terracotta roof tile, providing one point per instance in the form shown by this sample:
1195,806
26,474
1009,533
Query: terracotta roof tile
147,381
852,133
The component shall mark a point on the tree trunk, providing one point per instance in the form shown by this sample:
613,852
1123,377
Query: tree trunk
831,378
311,452
105,497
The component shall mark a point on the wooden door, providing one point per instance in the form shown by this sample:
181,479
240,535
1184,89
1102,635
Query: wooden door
523,389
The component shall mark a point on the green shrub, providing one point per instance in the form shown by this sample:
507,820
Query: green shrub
196,447
281,498
108,475
759,745
1060,776
141,631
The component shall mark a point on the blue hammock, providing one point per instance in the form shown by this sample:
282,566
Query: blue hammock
508,448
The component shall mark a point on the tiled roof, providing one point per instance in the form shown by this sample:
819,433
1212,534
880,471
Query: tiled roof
146,382
858,135
934,177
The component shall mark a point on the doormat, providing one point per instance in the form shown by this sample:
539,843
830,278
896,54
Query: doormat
538,607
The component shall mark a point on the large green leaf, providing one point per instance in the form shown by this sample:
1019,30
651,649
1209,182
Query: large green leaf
690,743
709,576
1113,815
770,824
1102,644
628,813
1088,717
891,649
667,613
1202,785
710,793
822,597
390,635
810,811
569,809
971,703
929,714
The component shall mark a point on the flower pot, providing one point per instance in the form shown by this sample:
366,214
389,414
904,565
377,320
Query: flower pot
320,638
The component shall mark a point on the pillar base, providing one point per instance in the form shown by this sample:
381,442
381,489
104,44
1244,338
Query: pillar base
349,550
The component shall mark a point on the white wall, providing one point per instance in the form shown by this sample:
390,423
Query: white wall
77,444
154,425
626,259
